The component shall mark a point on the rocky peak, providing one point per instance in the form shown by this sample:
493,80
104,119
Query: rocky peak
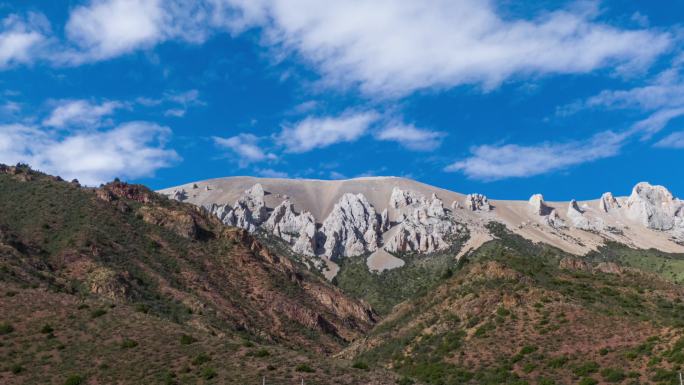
608,202
578,219
653,206
538,205
436,208
402,198
299,230
477,202
351,229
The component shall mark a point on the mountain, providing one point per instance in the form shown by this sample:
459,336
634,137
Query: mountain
96,281
366,281
390,224
526,313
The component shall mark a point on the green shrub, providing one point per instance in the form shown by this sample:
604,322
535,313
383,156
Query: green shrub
557,362
546,381
527,349
74,379
360,365
16,369
128,343
405,381
613,375
529,367
208,373
47,329
588,381
304,368
6,328
502,311
262,353
98,313
586,368
187,340
200,359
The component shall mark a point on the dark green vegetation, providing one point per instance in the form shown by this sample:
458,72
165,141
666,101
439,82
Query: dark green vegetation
513,315
667,265
384,290
121,285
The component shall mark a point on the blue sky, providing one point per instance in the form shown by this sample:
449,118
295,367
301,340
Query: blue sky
506,98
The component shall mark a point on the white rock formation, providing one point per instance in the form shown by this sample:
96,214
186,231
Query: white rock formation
654,207
608,202
436,207
538,206
351,229
385,223
455,205
554,220
420,232
424,226
477,202
402,198
578,219
248,212
299,230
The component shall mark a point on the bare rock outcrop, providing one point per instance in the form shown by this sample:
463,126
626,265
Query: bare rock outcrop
538,206
424,227
403,198
477,202
578,219
299,230
385,223
549,215
654,207
248,212
608,202
436,207
351,229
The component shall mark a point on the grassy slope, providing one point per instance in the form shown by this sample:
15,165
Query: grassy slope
419,275
512,316
62,247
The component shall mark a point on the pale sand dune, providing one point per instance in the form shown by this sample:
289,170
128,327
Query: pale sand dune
381,260
319,197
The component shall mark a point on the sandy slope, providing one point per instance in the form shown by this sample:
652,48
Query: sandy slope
319,197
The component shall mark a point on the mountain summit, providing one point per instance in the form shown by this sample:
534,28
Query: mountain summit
383,216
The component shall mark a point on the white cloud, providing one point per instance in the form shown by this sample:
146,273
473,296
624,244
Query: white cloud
387,47
246,147
411,137
319,132
662,97
494,162
21,38
106,28
674,140
395,47
82,113
130,150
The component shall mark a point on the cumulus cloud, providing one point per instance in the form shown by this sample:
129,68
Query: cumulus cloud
319,132
82,113
674,140
246,147
106,28
495,162
21,38
395,47
411,137
387,47
130,150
